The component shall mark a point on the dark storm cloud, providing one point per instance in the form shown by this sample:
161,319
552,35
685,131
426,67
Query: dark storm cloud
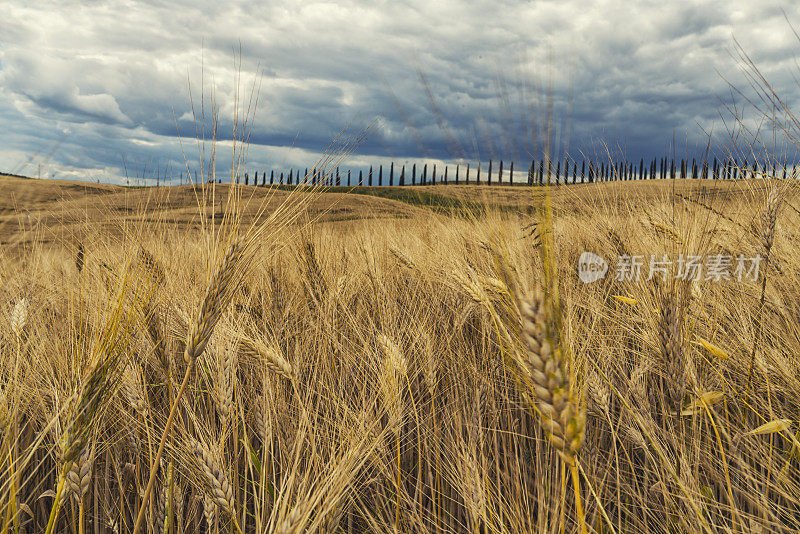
85,87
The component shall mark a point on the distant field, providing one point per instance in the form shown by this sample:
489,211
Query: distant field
55,210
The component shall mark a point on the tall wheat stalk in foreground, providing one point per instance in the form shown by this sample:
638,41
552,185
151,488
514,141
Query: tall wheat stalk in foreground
217,296
108,356
546,368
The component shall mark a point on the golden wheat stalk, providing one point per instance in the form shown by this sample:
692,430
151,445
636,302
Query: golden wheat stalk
80,475
562,419
220,489
19,317
132,391
393,373
215,301
670,340
544,370
270,356
225,389
209,511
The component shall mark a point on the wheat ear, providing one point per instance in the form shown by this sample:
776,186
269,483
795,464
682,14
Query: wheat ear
209,511
161,508
19,316
766,234
672,352
221,489
269,356
544,367
562,419
394,371
225,388
80,475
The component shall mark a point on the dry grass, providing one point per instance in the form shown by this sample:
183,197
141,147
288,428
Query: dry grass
412,372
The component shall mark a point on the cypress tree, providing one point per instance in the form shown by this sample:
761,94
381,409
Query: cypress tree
489,174
380,175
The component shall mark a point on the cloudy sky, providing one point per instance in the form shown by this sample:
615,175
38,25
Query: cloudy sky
93,90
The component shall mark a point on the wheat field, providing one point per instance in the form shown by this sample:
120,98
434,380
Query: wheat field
264,366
